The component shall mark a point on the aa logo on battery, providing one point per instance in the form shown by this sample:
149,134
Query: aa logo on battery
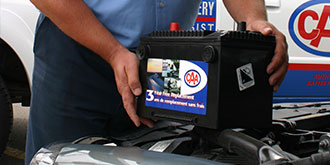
245,76
192,78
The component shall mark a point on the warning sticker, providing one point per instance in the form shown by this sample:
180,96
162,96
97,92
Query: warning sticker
245,76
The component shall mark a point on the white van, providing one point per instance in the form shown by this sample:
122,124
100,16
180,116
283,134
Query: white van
17,25
305,23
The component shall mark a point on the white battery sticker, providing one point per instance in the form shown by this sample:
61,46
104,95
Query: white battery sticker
245,77
161,146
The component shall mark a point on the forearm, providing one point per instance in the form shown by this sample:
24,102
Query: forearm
246,10
75,19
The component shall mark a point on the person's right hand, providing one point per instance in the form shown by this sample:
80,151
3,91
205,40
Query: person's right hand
279,64
126,68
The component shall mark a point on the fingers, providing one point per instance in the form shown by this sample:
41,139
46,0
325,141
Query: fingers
147,122
278,76
281,55
261,26
279,64
132,71
126,68
127,96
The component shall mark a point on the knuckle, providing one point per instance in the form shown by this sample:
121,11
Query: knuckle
134,83
121,88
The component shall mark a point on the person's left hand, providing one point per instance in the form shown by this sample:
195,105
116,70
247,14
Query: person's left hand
279,64
126,68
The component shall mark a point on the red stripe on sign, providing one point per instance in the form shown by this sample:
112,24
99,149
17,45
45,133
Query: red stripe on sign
323,67
205,19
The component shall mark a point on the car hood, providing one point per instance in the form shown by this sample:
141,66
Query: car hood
105,155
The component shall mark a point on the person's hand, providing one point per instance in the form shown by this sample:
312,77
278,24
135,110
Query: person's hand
279,64
126,68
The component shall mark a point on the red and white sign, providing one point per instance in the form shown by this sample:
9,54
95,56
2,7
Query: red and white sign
309,27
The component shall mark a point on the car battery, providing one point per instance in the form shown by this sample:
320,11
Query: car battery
212,79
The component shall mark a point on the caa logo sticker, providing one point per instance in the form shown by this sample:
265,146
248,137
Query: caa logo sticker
309,27
192,78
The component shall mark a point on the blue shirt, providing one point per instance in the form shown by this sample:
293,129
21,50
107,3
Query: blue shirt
128,20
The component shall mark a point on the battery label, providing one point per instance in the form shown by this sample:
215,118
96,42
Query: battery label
178,85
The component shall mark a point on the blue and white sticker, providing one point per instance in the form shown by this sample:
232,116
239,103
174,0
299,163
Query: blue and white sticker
178,85
309,27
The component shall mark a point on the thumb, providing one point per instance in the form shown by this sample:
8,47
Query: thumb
261,26
132,71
